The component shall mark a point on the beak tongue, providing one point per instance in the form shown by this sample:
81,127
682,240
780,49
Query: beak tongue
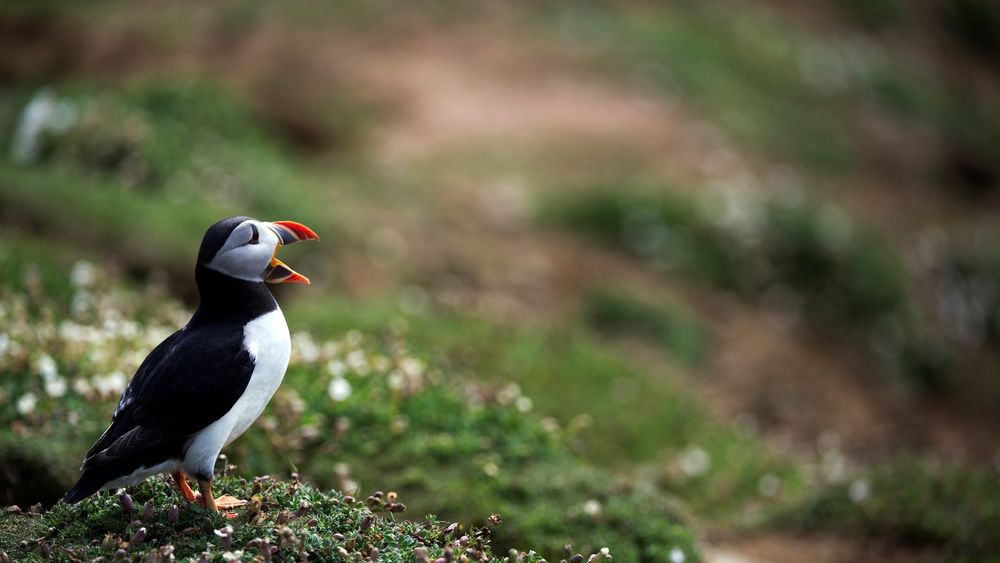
281,273
288,232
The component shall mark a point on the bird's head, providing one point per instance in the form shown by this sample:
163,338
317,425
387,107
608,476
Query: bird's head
245,249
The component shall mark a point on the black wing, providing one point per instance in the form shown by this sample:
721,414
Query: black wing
189,381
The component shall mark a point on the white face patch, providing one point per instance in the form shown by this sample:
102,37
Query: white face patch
247,253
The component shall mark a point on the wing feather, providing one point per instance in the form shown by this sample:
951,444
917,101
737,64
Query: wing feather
189,381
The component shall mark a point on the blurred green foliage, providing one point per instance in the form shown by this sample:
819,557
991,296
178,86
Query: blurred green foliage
801,259
677,332
911,502
876,15
976,23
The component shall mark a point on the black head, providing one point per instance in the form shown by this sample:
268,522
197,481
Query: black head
244,248
216,236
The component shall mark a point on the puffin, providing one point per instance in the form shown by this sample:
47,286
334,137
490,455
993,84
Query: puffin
204,385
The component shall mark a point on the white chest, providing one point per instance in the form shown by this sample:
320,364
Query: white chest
267,340
269,344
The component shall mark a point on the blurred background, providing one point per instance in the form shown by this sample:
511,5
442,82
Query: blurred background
742,253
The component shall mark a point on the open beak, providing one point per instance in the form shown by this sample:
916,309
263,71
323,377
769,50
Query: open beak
288,232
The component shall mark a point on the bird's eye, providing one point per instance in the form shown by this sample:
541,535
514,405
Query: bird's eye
255,238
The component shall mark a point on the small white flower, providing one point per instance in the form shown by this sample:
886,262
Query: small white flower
358,363
55,387
859,490
47,367
491,469
694,461
523,404
26,404
412,366
305,347
82,386
111,384
339,389
592,507
508,394
677,556
84,274
395,380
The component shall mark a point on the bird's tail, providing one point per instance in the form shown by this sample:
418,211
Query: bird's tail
88,484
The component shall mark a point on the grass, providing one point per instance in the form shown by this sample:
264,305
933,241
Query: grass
286,521
947,508
677,332
623,415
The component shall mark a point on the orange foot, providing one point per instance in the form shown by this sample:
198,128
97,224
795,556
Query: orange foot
214,504
182,484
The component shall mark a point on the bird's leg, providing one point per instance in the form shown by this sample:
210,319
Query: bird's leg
182,484
207,500
223,502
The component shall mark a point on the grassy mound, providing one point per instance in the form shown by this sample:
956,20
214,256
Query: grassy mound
285,521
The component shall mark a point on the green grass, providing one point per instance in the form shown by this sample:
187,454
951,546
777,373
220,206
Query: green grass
946,508
290,520
676,331
625,416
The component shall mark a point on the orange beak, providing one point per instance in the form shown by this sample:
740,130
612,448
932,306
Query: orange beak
288,232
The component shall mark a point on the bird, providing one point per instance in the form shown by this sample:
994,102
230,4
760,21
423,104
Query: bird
204,385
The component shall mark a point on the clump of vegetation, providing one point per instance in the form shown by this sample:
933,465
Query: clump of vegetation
284,521
949,508
677,332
